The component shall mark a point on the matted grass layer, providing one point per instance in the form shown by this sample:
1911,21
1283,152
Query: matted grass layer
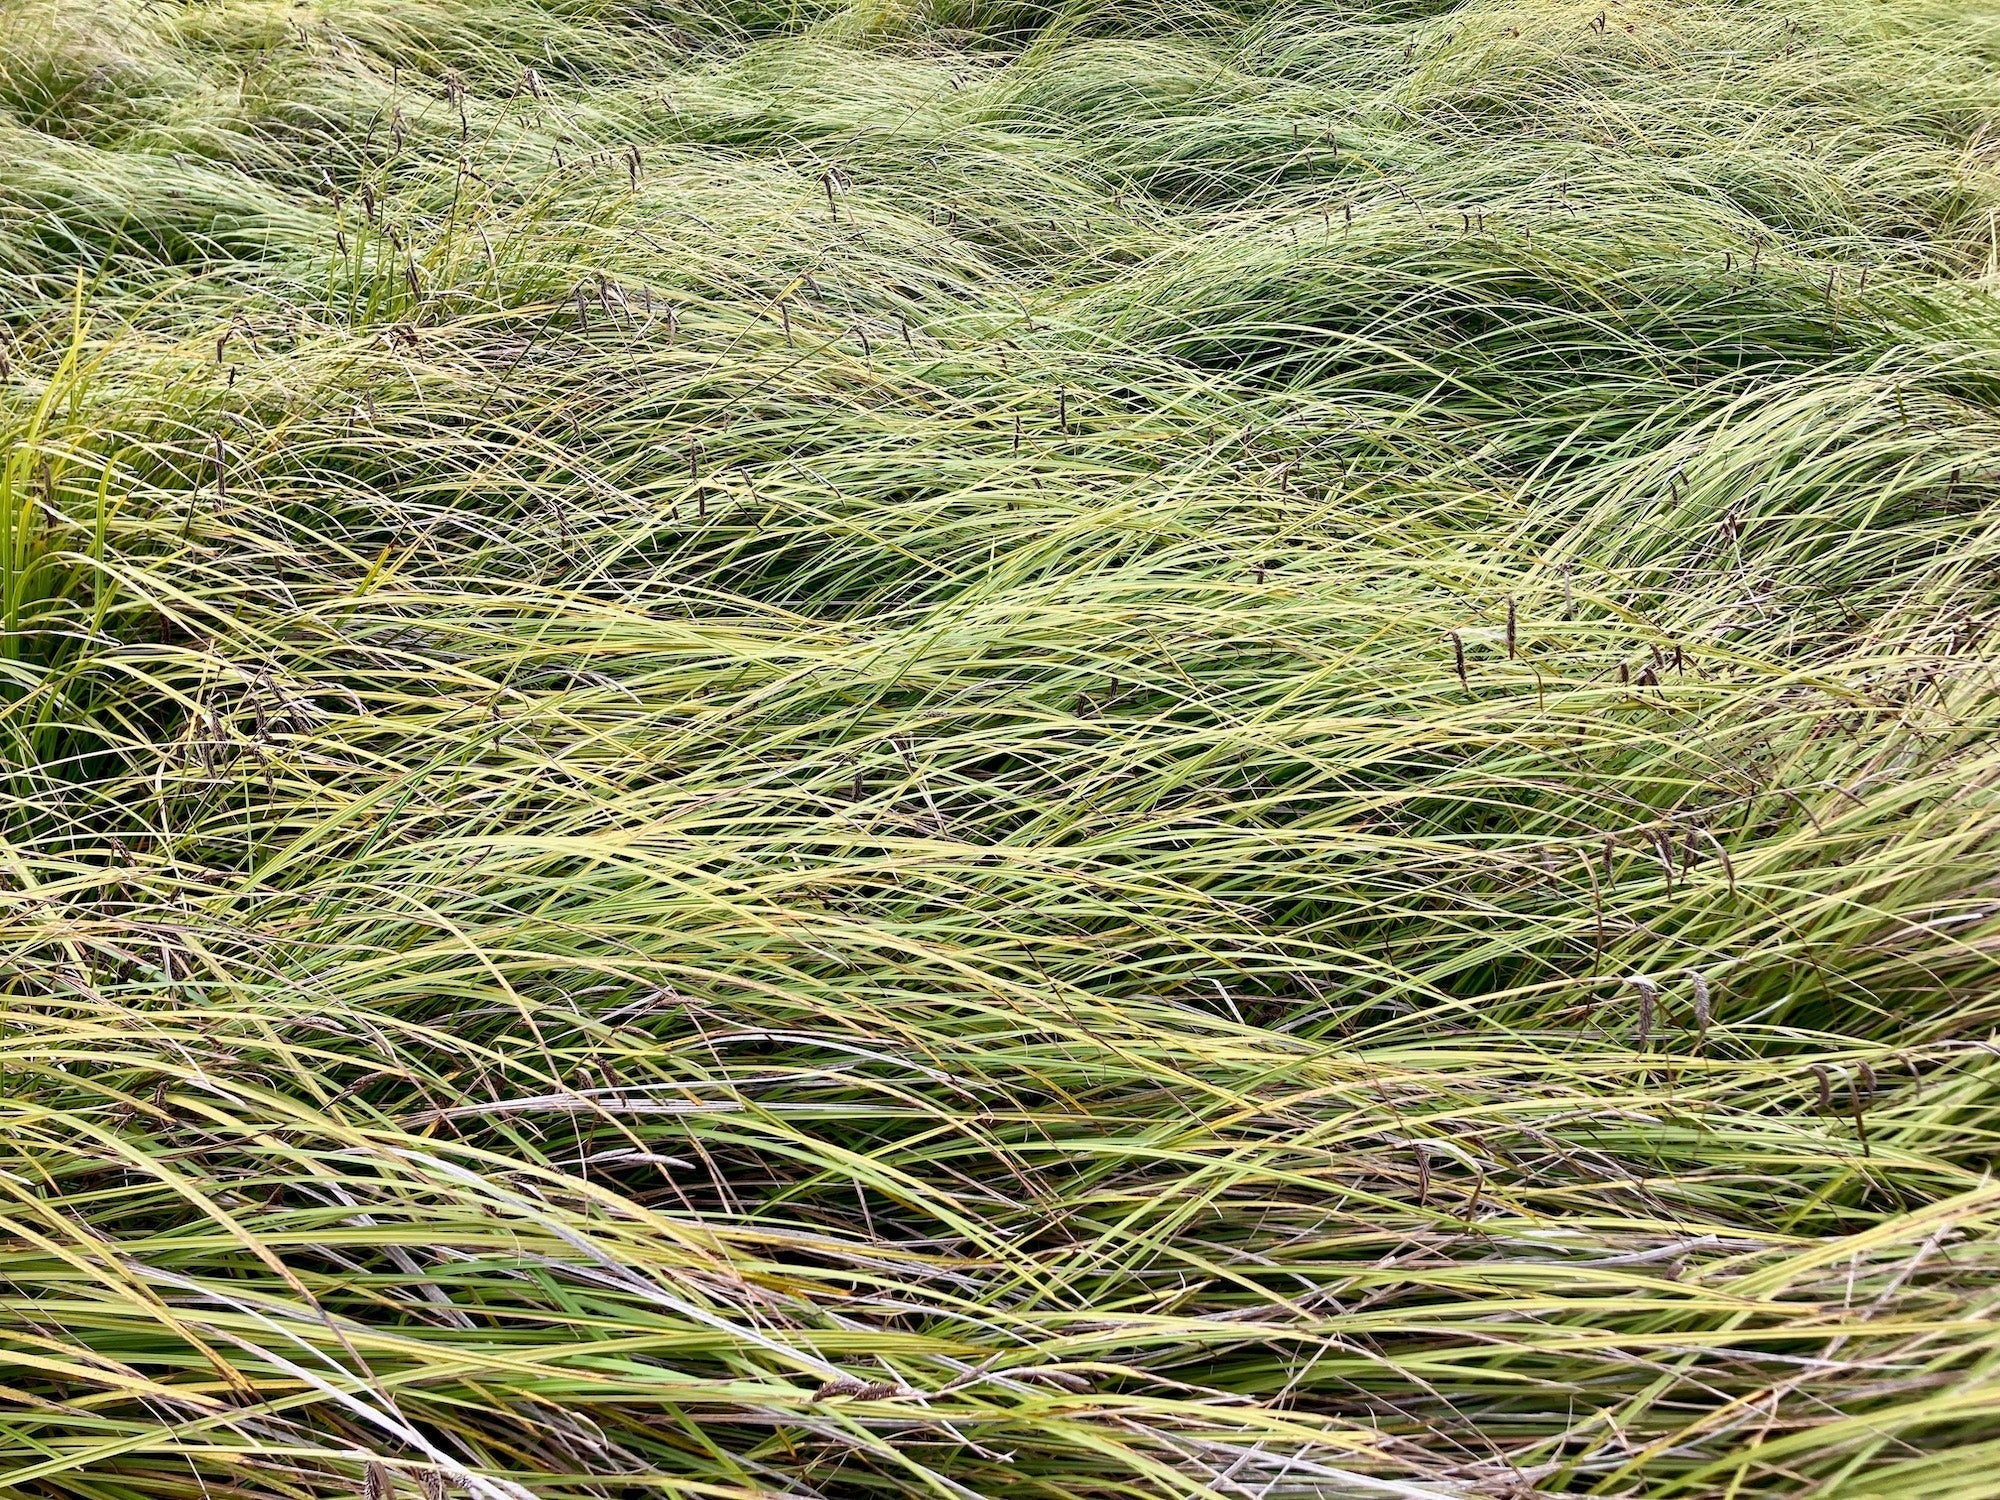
990,749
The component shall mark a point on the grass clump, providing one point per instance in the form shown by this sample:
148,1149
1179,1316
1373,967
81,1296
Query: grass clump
1028,750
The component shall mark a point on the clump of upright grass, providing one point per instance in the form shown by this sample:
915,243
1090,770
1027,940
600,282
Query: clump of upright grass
998,750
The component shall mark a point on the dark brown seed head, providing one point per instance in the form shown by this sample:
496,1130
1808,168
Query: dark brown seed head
1649,994
1862,1089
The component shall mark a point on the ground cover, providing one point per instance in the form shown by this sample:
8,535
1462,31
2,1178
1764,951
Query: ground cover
997,749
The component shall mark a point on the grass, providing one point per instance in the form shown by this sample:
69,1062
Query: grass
999,749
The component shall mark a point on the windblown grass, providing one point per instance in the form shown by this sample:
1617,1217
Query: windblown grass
980,748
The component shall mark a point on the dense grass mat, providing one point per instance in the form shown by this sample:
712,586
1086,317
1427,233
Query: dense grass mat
992,749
